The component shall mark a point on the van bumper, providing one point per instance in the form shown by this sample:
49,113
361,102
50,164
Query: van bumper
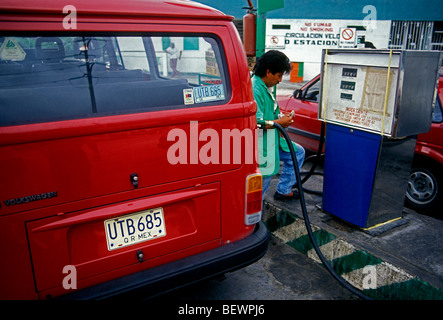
158,280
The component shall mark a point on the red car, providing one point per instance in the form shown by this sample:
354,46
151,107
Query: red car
425,182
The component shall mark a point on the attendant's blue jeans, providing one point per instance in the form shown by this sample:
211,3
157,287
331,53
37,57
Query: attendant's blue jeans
287,175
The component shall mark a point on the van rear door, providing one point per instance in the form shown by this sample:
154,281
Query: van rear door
105,155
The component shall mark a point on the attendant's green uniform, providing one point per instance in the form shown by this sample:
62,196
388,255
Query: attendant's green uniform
269,140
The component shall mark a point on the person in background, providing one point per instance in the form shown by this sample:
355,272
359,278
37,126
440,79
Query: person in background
175,55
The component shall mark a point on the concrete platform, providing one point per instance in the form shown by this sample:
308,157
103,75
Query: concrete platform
394,261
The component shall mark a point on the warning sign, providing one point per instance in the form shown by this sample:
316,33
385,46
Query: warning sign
275,42
11,50
348,38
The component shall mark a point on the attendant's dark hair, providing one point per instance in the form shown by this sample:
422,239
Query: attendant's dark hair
275,61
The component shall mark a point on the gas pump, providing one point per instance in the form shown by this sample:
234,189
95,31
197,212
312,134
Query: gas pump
374,103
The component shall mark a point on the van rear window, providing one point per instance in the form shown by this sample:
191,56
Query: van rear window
52,78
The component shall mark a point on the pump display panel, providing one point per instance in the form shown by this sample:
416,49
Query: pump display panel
388,92
360,96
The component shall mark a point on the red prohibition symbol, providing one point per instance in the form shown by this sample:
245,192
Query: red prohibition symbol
347,34
274,40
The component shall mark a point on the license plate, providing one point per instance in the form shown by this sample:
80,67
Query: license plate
135,228
209,93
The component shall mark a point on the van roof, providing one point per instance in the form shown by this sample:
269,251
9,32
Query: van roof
147,8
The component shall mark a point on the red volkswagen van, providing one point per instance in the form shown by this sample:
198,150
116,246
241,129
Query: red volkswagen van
126,138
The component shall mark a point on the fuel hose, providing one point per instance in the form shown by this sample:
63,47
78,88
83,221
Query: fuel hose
317,158
342,281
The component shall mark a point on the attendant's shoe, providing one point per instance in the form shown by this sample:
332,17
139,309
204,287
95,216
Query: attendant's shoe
282,197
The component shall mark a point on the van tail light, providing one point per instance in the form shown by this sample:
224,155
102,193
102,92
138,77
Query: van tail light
253,206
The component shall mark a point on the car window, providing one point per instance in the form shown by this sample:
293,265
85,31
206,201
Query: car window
437,114
312,92
60,77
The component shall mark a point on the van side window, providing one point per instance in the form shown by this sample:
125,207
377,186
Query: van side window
52,78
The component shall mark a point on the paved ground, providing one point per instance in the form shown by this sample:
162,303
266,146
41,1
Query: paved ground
282,274
405,260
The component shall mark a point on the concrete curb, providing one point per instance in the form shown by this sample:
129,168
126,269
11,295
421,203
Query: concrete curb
376,278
